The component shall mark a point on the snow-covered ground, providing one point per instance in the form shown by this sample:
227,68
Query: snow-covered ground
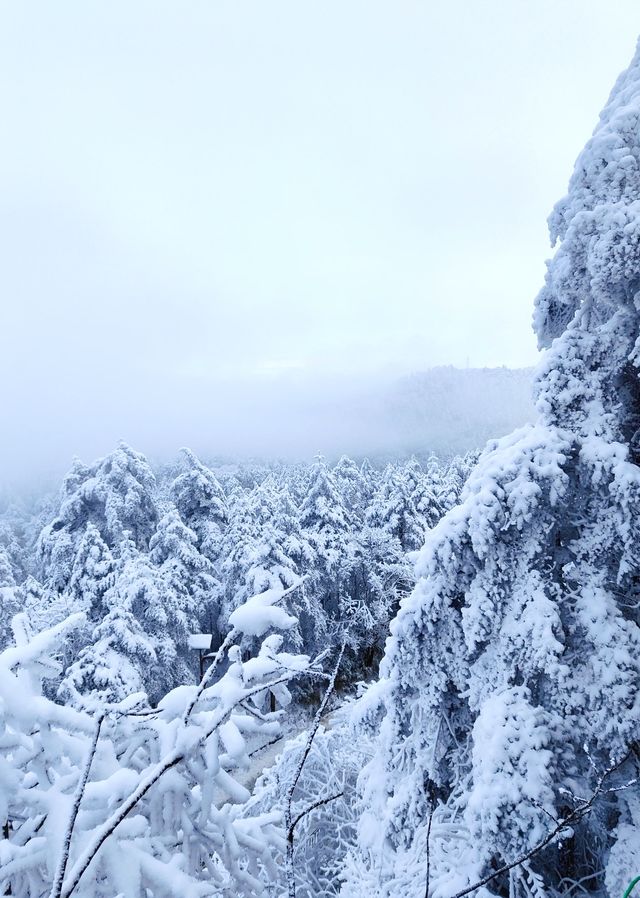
265,757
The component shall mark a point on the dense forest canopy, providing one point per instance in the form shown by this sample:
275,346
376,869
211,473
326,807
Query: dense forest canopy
152,557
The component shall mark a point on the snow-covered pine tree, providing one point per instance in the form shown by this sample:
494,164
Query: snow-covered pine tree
286,519
44,606
257,549
304,603
393,509
322,513
164,615
92,574
239,537
423,494
9,602
269,567
188,582
116,494
298,480
12,540
434,470
202,504
125,487
326,527
114,665
145,617
7,576
352,486
512,677
370,477
380,575
454,478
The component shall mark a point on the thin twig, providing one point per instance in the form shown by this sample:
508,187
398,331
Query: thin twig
288,817
316,804
208,674
266,745
428,882
56,888
316,722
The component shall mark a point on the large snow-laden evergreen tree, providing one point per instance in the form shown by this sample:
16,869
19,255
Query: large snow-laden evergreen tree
202,504
115,662
92,573
163,610
511,680
380,575
257,558
116,495
327,530
187,577
146,616
423,493
246,520
323,514
393,508
352,486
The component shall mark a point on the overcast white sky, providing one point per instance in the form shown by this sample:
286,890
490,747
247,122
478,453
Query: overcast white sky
198,196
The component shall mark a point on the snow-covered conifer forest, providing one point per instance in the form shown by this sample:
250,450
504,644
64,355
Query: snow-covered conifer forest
366,678
114,745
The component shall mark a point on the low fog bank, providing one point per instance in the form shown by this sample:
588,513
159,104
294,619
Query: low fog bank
290,416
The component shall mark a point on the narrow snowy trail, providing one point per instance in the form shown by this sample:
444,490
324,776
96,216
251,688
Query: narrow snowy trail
266,757
260,762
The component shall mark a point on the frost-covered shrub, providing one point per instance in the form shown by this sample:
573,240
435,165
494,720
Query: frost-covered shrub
323,800
117,798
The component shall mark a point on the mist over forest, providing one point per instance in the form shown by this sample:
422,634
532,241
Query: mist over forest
446,411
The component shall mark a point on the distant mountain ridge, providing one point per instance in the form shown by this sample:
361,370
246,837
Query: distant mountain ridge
444,410
452,410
